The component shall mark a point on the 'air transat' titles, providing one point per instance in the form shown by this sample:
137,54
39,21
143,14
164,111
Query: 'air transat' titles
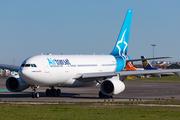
58,62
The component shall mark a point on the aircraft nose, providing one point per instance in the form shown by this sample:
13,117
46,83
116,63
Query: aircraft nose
24,75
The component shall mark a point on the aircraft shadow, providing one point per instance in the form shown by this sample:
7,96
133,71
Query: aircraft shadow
42,94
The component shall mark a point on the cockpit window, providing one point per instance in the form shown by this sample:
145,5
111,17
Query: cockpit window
22,65
33,65
28,65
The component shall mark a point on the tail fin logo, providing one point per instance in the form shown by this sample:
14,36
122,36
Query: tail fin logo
145,63
122,44
129,66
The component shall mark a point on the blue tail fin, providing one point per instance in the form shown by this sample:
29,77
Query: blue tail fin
121,45
147,65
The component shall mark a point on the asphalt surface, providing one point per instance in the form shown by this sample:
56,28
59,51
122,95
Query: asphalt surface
147,91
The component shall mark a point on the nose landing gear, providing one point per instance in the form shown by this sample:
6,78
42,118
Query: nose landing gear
35,94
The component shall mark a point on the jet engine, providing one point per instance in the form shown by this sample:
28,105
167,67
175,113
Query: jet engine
112,86
15,84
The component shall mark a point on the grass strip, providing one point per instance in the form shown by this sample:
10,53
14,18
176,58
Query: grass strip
172,78
88,111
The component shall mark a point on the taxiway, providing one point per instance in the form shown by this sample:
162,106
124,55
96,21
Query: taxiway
144,90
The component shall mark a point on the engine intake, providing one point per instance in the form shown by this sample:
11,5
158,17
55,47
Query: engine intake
112,86
15,84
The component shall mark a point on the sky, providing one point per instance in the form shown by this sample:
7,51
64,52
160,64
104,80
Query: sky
37,27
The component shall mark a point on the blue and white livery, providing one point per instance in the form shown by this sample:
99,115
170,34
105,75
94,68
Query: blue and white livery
77,70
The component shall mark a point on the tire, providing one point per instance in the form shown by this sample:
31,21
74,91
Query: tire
101,95
58,92
47,92
111,96
54,92
37,95
33,95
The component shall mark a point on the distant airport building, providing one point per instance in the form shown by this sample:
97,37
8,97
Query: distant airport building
7,73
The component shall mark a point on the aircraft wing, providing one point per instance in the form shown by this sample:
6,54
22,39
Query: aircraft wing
9,67
141,72
87,77
132,60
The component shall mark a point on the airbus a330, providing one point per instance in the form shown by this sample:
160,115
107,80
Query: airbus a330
78,70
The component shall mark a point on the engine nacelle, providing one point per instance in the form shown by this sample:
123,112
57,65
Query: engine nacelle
112,86
15,84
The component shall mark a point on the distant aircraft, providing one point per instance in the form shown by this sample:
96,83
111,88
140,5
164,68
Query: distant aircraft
78,70
129,66
146,64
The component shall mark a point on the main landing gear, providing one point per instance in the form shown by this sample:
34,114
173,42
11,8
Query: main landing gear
35,94
49,92
101,95
53,92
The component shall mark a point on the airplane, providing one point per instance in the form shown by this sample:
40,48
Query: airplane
146,64
78,70
129,66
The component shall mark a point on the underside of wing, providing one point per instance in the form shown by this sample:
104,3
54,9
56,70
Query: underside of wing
132,60
88,77
142,72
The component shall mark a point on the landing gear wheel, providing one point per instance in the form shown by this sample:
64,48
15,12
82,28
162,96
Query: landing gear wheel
37,95
101,95
33,95
58,92
47,92
54,92
110,96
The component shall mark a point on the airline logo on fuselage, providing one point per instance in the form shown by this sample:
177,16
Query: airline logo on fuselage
58,62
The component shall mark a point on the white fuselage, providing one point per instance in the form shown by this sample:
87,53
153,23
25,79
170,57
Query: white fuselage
60,70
